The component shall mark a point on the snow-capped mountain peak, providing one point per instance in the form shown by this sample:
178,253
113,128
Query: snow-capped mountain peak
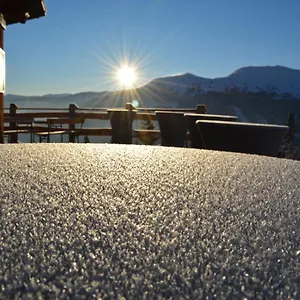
275,79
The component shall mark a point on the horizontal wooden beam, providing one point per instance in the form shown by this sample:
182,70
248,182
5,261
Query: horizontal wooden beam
94,131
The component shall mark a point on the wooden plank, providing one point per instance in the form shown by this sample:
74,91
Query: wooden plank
34,128
55,114
43,108
61,121
43,115
19,119
7,132
153,109
94,115
94,131
45,133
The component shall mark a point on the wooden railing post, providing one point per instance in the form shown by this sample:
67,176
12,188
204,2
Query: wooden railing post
13,138
72,115
131,116
201,109
121,124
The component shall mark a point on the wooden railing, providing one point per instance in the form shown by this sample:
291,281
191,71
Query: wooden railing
121,119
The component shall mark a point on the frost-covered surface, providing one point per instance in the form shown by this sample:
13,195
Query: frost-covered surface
84,221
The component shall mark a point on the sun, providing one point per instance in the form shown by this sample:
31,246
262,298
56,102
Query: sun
126,76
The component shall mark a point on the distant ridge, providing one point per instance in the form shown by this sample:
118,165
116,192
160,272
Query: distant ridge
278,79
56,95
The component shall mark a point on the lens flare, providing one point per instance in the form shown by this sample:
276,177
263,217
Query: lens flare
135,103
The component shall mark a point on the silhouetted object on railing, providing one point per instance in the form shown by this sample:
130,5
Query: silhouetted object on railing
173,128
201,109
121,124
191,119
251,138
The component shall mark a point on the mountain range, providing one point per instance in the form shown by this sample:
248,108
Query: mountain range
255,94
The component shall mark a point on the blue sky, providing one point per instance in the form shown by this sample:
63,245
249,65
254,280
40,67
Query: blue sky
78,48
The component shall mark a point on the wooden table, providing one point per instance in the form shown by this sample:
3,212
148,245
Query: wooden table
55,126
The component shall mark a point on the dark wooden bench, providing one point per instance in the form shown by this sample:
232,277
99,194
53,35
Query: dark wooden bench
13,131
191,119
18,124
10,132
251,138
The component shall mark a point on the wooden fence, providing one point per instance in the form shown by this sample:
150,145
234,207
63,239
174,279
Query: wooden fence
121,120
